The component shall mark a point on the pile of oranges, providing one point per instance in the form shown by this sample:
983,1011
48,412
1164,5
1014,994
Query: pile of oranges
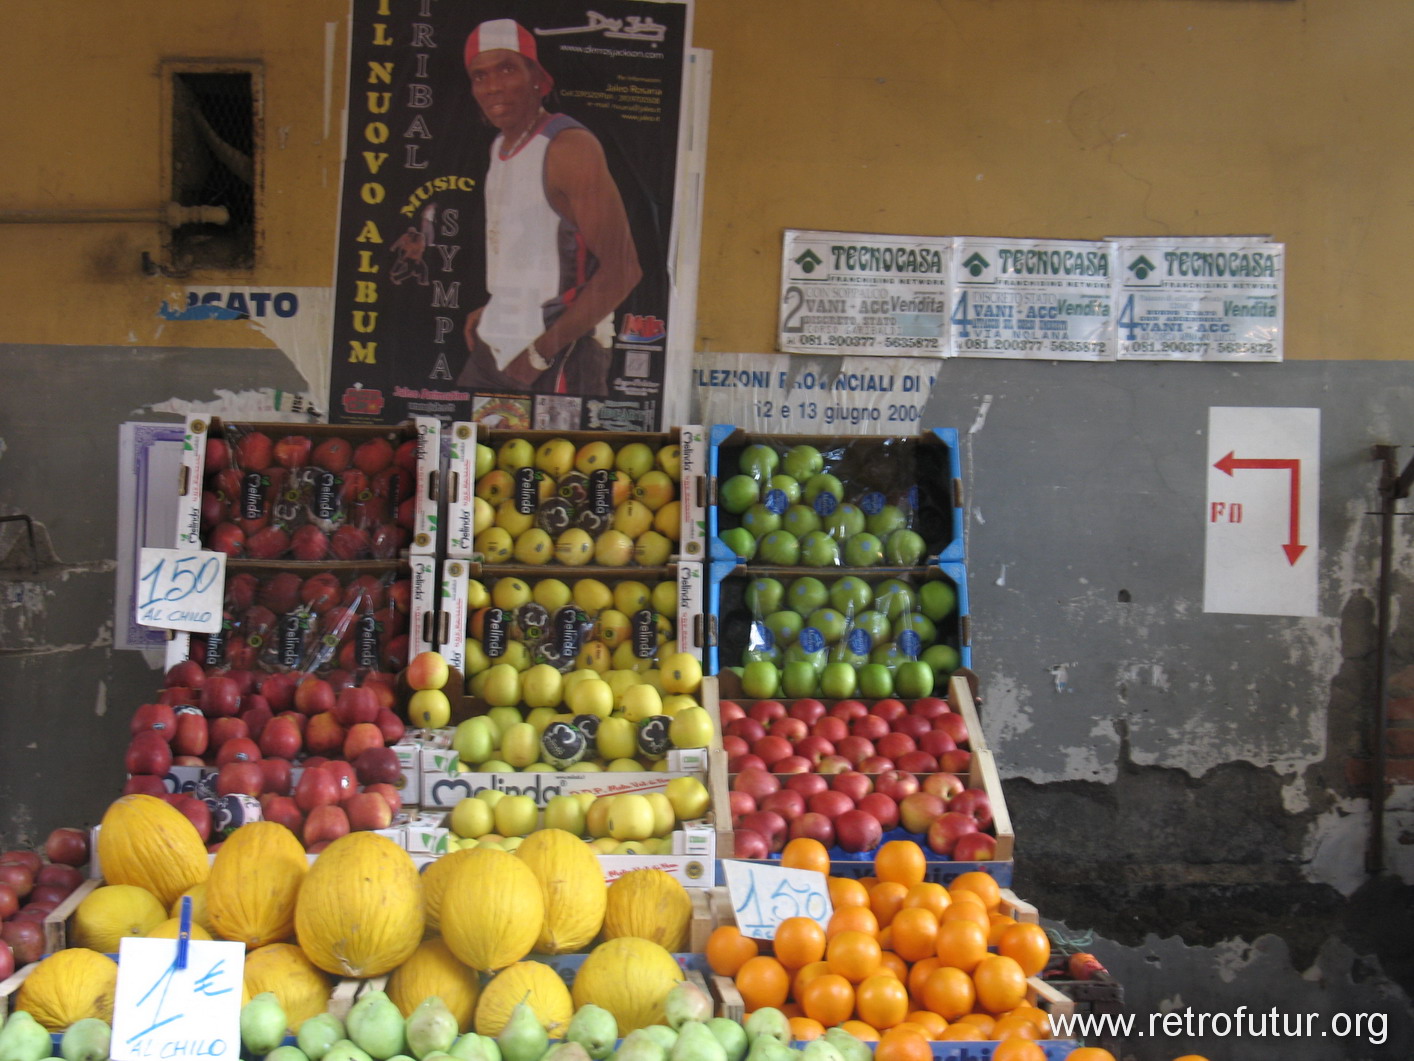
902,960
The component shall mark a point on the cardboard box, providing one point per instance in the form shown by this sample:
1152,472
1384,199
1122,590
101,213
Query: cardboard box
443,783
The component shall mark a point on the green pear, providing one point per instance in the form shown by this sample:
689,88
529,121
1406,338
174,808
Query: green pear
697,1043
24,1039
469,1047
767,1048
638,1046
286,1053
523,1038
431,1028
686,1001
318,1033
347,1050
491,1046
768,1021
87,1039
820,1050
375,1025
662,1035
731,1035
566,1051
263,1023
851,1047
595,1029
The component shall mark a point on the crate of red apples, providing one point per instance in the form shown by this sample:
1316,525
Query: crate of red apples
309,492
36,888
855,774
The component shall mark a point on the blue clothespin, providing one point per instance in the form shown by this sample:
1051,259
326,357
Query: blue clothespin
184,933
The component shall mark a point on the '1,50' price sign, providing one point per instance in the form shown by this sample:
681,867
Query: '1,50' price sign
180,590
764,895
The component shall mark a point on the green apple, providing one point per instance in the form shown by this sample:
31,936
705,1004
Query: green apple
740,541
516,815
472,818
785,626
893,597
636,459
823,483
843,653
780,547
802,461
917,623
888,654
800,520
807,593
515,454
818,549
760,680
787,486
944,659
816,657
799,678
475,740
759,461
764,595
904,547
913,679
887,519
485,459
738,494
565,812
760,520
845,522
850,595
829,622
838,681
863,550
937,599
876,681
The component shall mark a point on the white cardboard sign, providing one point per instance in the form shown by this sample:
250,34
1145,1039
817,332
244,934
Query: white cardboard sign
764,895
162,1012
179,589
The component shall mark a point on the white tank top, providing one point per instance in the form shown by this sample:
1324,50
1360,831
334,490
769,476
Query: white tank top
536,261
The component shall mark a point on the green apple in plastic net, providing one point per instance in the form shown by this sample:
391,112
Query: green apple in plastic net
739,493
904,548
759,461
740,541
760,519
823,483
818,549
784,626
765,595
830,624
851,595
779,547
800,520
943,659
845,522
863,550
802,461
893,597
807,593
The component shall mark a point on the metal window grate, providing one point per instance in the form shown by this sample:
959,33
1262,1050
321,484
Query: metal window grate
213,164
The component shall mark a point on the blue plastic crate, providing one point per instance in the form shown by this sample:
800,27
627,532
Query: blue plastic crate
923,471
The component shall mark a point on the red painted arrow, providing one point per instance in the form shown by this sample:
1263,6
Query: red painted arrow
1231,463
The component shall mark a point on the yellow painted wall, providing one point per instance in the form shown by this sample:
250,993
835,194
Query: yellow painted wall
1074,118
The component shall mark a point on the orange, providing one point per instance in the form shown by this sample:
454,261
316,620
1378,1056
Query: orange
930,894
903,1046
1001,985
1017,1049
961,1030
885,899
885,937
852,918
861,1031
981,1023
983,884
900,861
798,942
1094,1053
891,963
929,1021
970,912
1036,1016
828,999
1000,922
1028,944
881,1000
917,973
728,949
806,853
804,975
762,981
846,891
803,1029
1017,1025
854,955
868,882
792,1009
949,992
908,1025
961,944
962,895
915,933
1191,1057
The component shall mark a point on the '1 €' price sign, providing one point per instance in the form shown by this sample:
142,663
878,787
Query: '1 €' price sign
162,1012
764,895
180,590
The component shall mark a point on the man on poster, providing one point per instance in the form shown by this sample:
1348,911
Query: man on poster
560,257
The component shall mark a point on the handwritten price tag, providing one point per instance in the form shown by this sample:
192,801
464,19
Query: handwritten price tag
161,1011
180,590
763,896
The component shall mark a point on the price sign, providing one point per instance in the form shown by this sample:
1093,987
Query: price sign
763,896
180,590
162,1011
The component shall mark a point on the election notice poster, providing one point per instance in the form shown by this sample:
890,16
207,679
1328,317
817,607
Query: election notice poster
507,211
1199,299
859,293
1021,298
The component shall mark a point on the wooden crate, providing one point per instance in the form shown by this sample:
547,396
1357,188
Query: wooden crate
9,986
58,926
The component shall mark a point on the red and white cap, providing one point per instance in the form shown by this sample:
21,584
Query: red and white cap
511,36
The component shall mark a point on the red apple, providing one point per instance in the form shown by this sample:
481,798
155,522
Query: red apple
255,712
830,728
973,802
955,726
31,860
757,783
740,803
745,762
368,810
870,727
889,709
332,454
277,774
814,825
390,725
220,697
254,451
792,764
914,725
853,783
833,764
195,811
318,786
894,744
792,729
323,735
813,748
747,728
771,749
746,843
345,775
292,451
944,785
854,748
324,823
17,877
26,940
807,709
957,761
935,742
733,746
193,734
730,709
378,765
149,753
769,824
158,718
807,784
238,749
390,795
896,784
975,847
9,901
830,803
945,830
314,696
240,777
929,707
767,711
849,710
359,738
786,802
281,738
188,674
283,810
226,538
918,762
64,874
874,764
858,830
373,455
917,811
883,808
226,729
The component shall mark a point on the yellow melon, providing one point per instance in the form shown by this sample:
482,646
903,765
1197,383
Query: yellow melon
434,970
199,914
572,883
651,905
492,909
110,912
359,911
282,968
254,883
434,884
172,928
68,986
148,842
534,983
629,977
